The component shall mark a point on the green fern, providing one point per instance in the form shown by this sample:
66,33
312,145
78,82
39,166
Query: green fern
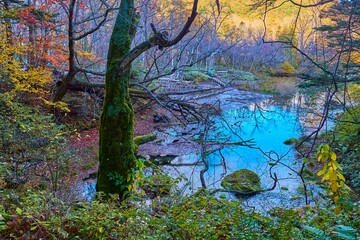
343,232
315,232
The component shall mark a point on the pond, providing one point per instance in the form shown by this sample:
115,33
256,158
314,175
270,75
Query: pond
249,133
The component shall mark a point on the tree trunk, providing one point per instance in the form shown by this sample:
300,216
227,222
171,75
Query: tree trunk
116,150
63,88
116,147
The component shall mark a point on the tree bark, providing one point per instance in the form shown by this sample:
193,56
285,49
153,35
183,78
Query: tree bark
116,151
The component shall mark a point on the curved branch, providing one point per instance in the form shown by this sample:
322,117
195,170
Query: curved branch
95,28
158,39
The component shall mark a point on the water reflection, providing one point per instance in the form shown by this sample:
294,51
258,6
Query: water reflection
268,126
267,123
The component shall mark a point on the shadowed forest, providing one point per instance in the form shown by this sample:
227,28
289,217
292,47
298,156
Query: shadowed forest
181,119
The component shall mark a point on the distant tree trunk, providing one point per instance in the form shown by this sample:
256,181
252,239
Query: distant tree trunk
210,66
65,84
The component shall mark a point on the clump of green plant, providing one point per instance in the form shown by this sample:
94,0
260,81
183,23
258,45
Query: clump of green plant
156,185
195,76
290,141
348,128
235,74
138,73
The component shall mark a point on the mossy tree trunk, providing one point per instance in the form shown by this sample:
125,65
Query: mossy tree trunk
116,151
116,146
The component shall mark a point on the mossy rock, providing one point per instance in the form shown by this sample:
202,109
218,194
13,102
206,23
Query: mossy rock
244,181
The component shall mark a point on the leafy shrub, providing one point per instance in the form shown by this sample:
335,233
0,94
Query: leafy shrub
284,70
348,134
354,91
157,185
35,215
28,139
348,128
288,69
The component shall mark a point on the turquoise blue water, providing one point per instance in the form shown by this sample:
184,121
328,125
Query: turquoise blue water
267,128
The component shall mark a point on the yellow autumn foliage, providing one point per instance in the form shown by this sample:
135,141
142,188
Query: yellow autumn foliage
331,173
18,79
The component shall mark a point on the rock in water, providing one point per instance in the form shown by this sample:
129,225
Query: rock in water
244,181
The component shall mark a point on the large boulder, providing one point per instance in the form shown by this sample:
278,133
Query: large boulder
244,181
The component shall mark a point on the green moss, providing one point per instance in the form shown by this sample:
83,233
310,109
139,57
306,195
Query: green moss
139,140
242,180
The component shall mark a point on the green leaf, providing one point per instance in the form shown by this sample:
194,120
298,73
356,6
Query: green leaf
333,156
18,211
322,172
33,228
325,148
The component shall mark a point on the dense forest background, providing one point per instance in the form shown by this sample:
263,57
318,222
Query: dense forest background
56,68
